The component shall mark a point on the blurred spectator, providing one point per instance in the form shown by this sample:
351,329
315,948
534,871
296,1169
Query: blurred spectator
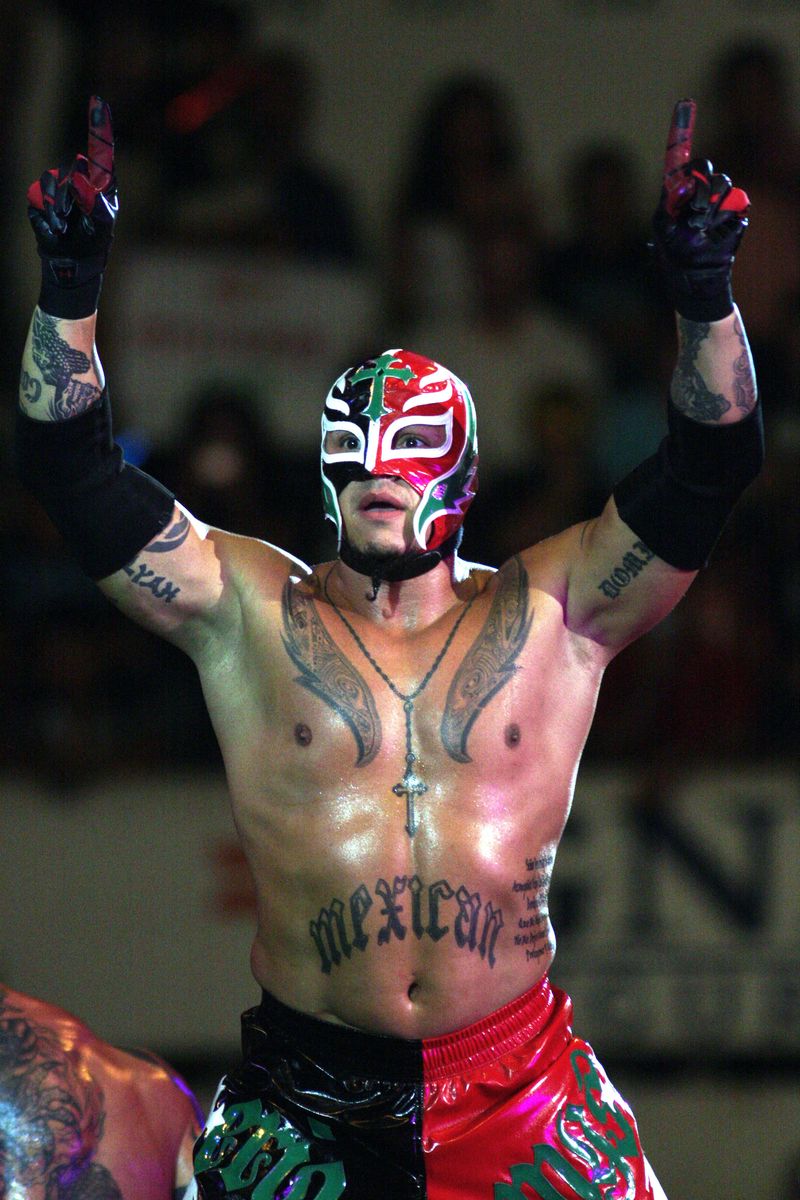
463,170
239,167
755,135
601,275
557,487
228,471
753,100
508,345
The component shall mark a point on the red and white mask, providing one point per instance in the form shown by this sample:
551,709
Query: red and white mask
374,403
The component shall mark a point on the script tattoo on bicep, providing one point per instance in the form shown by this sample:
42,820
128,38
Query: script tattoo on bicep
51,1116
60,363
689,391
326,672
534,932
632,564
143,576
490,661
744,384
408,906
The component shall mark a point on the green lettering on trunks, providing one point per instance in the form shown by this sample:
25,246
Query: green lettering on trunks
595,1134
256,1153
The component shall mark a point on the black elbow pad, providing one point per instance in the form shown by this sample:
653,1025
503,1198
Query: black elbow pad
105,509
679,500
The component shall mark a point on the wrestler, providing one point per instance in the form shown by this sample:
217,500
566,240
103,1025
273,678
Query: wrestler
82,1120
401,729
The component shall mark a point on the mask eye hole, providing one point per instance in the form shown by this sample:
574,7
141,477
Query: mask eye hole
419,437
342,441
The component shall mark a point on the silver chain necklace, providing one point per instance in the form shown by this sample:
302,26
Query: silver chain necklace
411,785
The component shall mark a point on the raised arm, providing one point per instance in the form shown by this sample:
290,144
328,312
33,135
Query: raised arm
125,529
630,566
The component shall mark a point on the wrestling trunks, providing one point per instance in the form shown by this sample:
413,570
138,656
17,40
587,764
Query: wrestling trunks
510,1108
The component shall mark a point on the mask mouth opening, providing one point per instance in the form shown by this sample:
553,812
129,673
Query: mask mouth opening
393,568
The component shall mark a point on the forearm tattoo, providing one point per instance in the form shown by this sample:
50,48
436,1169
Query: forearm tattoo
327,673
744,382
490,661
51,1116
59,364
689,392
406,906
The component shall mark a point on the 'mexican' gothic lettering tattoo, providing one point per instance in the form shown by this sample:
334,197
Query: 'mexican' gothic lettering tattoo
51,1116
688,391
326,672
475,925
60,363
489,663
534,932
625,572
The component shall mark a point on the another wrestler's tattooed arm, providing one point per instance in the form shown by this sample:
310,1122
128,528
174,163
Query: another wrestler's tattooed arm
61,375
51,1115
327,673
490,661
713,381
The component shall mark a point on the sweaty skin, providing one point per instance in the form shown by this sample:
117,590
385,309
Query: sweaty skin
357,921
80,1117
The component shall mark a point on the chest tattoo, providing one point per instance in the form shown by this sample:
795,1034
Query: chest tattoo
490,661
326,672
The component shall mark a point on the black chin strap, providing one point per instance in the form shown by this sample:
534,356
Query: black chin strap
409,565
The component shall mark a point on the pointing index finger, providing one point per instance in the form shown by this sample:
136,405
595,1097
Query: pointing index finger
679,151
101,144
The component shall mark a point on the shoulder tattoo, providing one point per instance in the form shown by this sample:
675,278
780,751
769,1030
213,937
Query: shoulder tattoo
490,661
51,1116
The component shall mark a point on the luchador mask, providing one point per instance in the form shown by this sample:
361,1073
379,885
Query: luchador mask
375,402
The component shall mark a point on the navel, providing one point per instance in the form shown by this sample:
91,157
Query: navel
513,736
302,734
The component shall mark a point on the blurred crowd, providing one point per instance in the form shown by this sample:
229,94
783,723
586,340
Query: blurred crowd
564,338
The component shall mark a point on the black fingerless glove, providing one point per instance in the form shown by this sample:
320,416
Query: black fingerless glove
72,211
697,245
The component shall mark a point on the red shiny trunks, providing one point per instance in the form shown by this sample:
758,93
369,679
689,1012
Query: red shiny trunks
513,1107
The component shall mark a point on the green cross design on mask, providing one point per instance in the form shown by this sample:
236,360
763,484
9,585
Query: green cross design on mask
378,374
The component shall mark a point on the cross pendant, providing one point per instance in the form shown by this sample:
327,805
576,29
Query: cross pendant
410,787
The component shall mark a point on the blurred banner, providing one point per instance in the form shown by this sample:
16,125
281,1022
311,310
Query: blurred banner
186,318
677,912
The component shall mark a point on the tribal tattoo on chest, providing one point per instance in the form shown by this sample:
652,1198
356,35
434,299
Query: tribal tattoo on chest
487,666
490,661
